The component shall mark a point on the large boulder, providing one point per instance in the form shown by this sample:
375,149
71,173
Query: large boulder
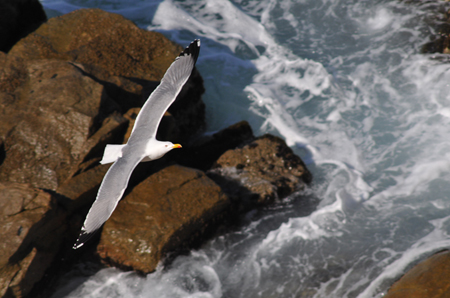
118,54
169,209
56,109
98,38
164,212
60,84
428,279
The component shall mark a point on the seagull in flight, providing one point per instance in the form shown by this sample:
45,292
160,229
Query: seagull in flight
142,144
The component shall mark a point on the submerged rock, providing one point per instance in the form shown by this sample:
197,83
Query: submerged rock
428,279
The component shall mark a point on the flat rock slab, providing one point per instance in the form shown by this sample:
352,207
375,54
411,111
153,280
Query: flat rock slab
160,215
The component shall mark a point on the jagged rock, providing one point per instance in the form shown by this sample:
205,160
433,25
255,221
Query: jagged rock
30,237
260,171
18,18
428,279
158,216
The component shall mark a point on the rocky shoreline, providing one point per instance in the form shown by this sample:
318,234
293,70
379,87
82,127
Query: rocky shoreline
72,84
75,84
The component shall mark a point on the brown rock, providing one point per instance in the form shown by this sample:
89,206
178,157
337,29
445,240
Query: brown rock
81,190
117,53
12,75
428,279
63,90
160,215
440,39
59,108
18,18
107,40
261,171
31,235
53,111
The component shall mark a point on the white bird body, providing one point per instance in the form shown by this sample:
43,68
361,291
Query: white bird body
154,150
142,144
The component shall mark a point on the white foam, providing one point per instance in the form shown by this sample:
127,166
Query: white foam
381,19
432,242
234,25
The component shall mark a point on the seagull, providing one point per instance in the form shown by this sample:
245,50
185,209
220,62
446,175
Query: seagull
142,144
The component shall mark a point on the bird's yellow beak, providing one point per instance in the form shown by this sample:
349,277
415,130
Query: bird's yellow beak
176,146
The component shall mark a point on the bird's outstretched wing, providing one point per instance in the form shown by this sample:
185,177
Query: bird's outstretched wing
164,95
116,179
109,194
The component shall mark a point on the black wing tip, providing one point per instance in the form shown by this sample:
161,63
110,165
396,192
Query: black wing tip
82,239
192,49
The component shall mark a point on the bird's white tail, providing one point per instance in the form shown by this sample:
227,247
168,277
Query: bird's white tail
112,153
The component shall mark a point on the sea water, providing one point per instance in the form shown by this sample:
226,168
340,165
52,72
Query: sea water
345,84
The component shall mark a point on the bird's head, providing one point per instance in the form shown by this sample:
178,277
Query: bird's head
169,146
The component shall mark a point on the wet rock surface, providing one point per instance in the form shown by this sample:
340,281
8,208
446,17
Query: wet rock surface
260,172
77,84
428,279
168,210
440,40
